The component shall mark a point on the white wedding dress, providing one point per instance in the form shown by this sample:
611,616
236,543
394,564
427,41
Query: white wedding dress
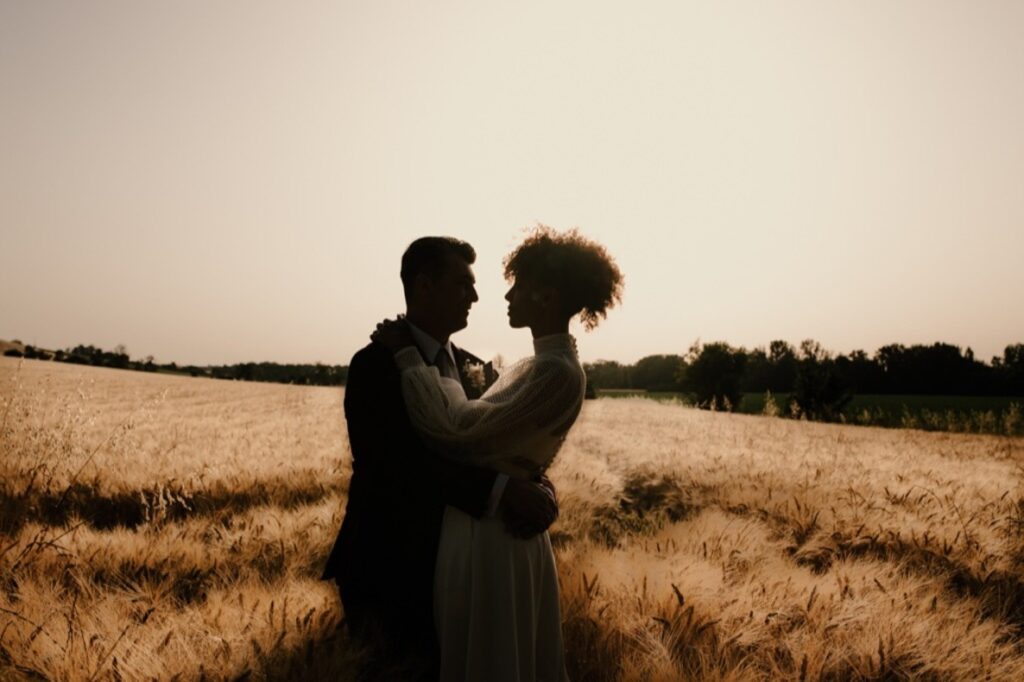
496,603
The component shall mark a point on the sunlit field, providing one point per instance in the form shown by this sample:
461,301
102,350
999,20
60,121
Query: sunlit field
168,527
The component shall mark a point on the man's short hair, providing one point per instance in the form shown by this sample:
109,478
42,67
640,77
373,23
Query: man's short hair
429,256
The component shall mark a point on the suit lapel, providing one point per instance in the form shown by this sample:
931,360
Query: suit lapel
460,362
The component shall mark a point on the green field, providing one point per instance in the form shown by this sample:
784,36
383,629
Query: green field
976,414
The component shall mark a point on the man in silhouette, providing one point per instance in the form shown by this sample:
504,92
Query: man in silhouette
383,559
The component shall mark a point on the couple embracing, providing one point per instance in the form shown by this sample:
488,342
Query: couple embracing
443,560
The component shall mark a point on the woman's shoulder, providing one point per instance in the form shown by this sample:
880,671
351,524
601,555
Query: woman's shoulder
556,364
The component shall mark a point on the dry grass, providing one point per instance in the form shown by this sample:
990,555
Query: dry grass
162,527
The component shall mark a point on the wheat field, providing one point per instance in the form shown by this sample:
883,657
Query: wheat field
162,527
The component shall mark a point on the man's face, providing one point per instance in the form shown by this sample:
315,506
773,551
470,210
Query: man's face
452,294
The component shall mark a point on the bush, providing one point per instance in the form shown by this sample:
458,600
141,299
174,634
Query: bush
714,374
820,392
656,373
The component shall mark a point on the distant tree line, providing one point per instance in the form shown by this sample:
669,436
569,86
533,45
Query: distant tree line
310,375
820,382
716,374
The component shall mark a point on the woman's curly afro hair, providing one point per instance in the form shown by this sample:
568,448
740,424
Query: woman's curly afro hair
585,276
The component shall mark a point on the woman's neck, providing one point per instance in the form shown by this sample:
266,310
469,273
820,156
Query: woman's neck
549,327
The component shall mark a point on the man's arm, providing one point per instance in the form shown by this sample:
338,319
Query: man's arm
373,402
384,443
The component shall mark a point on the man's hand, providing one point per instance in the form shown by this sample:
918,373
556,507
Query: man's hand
528,508
546,483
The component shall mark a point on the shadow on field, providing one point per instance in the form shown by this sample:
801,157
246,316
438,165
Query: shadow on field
335,658
1001,593
104,510
188,585
332,658
648,501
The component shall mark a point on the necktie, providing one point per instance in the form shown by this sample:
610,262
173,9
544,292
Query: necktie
444,365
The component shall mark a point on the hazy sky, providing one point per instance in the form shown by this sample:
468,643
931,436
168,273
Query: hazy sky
215,182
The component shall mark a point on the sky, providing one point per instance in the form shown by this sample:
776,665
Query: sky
221,182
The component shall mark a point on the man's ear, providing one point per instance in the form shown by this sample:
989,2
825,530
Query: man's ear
423,283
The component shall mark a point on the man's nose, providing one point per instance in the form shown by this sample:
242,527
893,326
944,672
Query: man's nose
473,297
508,295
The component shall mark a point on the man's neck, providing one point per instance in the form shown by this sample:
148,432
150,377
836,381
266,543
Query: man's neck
429,327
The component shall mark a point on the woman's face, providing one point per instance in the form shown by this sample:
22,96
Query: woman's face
526,303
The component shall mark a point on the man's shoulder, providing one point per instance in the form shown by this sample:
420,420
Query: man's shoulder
372,357
372,373
371,352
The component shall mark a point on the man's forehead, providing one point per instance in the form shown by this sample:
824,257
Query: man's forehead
457,267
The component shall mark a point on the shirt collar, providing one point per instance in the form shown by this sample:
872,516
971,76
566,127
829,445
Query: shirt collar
429,346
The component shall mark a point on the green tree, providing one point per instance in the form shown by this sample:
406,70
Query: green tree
714,373
607,374
657,373
820,392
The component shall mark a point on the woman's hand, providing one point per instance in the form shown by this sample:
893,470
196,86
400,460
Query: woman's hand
393,335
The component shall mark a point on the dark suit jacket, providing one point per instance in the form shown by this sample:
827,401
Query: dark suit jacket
383,558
